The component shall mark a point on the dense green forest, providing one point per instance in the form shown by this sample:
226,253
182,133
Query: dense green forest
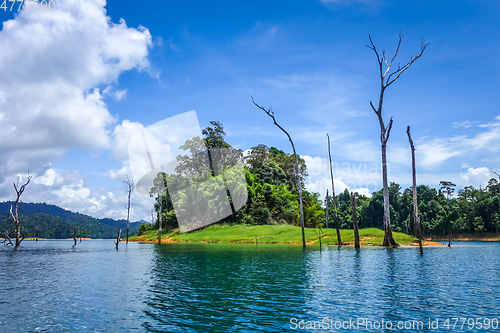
273,199
52,221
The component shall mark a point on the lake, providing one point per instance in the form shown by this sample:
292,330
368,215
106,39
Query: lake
49,286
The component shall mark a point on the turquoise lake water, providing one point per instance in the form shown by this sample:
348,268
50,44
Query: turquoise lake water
49,286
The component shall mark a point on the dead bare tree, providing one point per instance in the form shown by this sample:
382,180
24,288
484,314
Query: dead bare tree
416,220
336,217
355,220
15,216
386,79
152,213
130,188
118,238
327,201
74,235
270,113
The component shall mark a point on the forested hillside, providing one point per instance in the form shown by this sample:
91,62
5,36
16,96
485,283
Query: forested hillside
52,221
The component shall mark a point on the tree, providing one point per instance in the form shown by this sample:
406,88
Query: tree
336,217
15,216
416,221
386,79
448,187
130,187
270,113
355,220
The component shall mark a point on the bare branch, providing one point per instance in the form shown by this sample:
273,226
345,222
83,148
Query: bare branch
269,111
373,107
7,238
404,68
495,173
388,130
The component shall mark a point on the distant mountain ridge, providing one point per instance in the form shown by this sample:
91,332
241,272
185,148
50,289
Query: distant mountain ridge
52,221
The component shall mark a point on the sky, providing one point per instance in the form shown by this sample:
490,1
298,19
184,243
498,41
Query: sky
77,82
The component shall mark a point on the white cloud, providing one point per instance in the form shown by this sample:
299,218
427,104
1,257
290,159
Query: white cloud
361,177
50,66
437,150
118,94
477,176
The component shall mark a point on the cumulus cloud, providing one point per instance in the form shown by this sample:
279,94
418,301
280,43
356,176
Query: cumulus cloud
464,124
51,65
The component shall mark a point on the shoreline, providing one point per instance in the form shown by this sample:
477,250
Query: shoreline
169,240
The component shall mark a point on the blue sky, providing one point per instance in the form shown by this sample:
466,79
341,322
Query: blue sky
75,85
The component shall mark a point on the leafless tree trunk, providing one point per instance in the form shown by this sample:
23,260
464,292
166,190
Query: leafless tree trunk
15,216
270,113
416,220
118,238
130,188
386,80
355,220
326,213
159,220
339,240
74,235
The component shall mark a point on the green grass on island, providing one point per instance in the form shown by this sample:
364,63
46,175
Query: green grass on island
276,234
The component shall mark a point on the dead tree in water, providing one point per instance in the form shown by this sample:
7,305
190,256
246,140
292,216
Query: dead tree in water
15,216
74,235
498,179
386,80
270,113
118,238
159,219
416,220
355,220
336,218
130,188
327,201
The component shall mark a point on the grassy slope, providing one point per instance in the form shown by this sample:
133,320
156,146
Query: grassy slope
282,234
